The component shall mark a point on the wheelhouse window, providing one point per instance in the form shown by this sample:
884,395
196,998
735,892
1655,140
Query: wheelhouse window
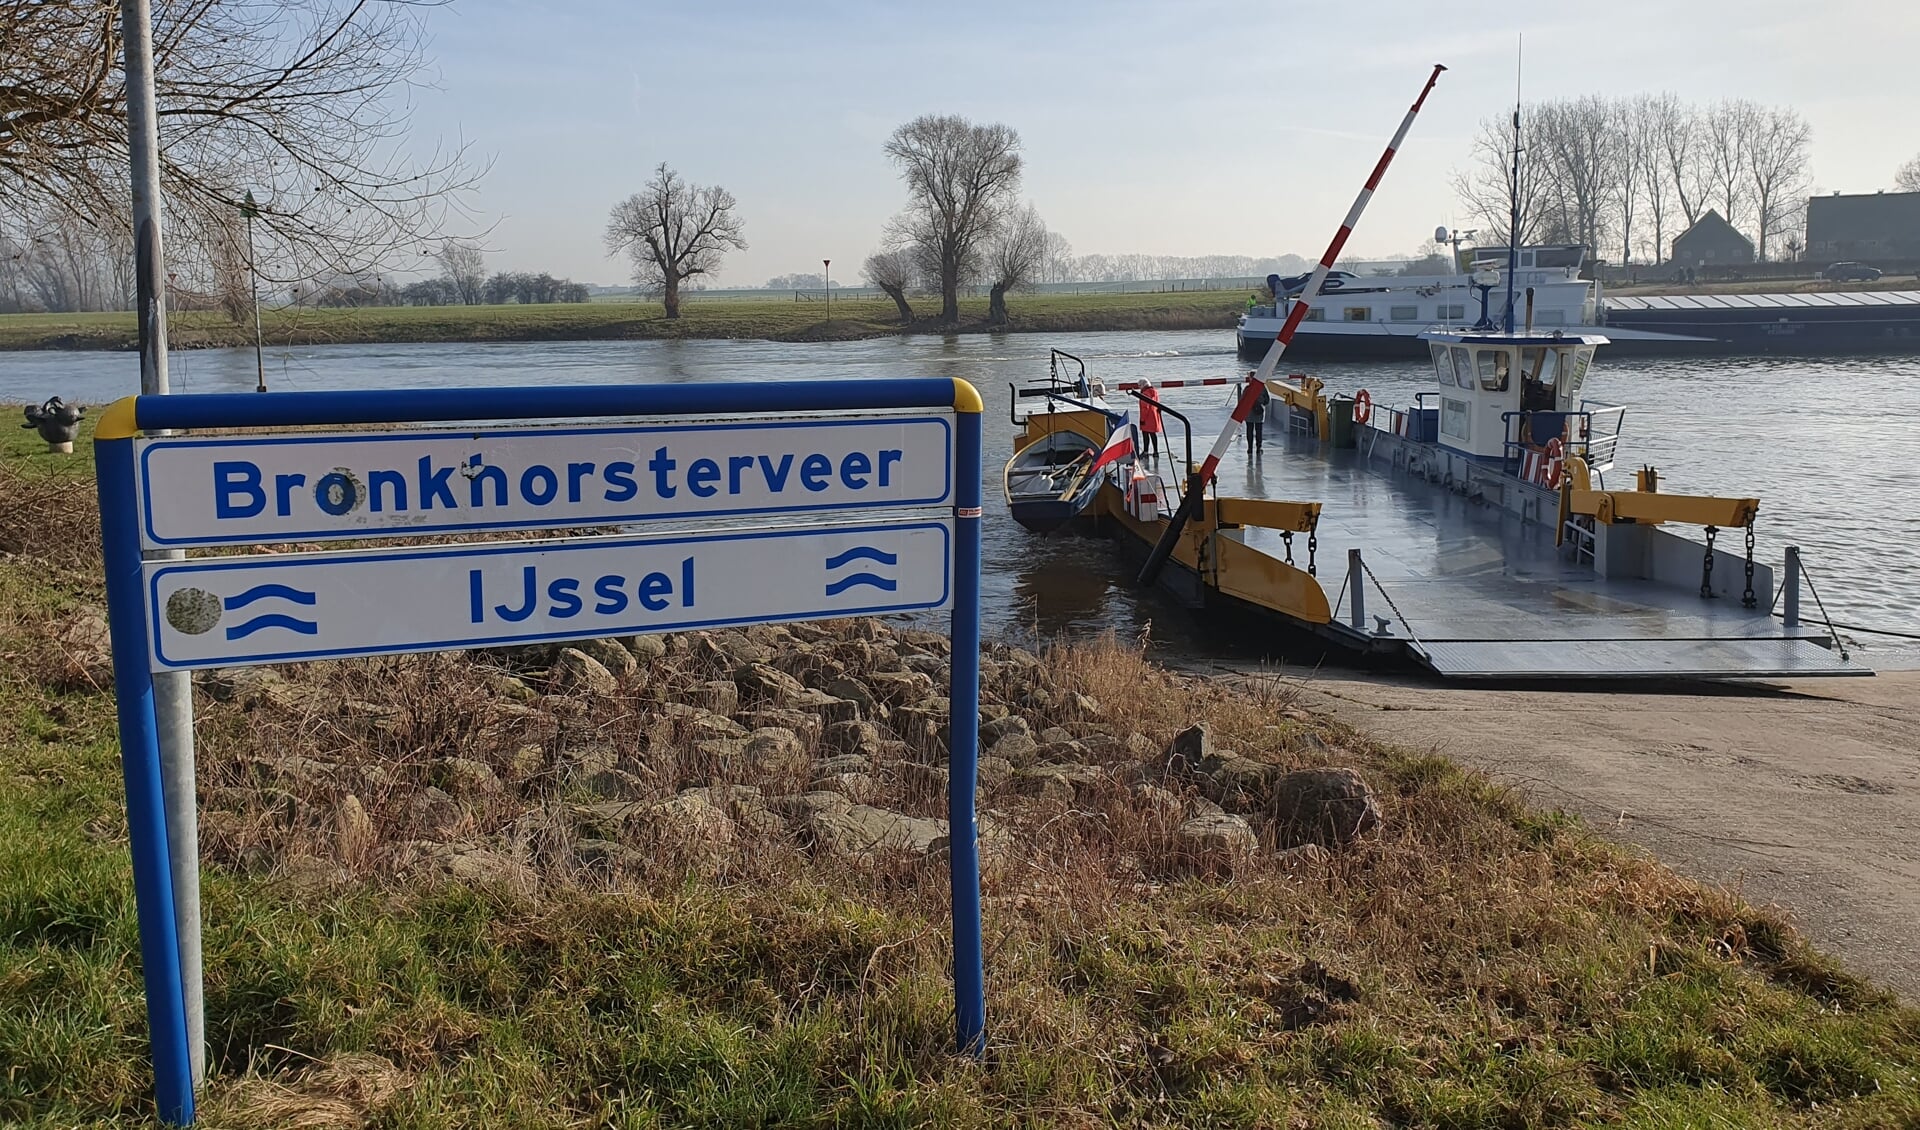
1462,366
1539,372
1494,364
1358,314
1442,364
1405,314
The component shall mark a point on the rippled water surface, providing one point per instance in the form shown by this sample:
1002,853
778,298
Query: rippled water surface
1821,442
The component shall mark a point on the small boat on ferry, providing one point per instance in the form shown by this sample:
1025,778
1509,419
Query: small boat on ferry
1064,427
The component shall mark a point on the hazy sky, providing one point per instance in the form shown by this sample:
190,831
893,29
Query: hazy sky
1183,128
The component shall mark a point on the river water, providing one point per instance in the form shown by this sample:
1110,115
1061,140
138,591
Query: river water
1817,440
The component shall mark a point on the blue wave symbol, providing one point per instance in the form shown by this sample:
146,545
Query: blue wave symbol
845,583
268,592
272,620
860,552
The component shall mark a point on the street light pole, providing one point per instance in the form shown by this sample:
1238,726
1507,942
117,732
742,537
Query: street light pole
826,268
249,209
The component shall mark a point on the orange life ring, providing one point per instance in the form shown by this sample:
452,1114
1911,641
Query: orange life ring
1362,406
1554,450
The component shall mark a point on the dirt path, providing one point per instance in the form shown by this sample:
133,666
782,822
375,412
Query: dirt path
1805,794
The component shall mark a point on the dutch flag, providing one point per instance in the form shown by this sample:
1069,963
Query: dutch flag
1119,447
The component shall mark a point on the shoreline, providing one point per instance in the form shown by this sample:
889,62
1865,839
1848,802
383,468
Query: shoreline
716,319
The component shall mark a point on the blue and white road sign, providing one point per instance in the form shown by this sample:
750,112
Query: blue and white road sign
297,606
231,490
887,474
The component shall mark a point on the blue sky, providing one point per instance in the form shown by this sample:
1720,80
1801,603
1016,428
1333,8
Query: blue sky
1182,128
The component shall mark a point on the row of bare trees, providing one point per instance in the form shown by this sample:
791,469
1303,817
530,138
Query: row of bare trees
1628,174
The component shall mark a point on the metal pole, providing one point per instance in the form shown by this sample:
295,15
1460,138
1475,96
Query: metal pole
1357,588
1793,587
172,690
963,757
826,267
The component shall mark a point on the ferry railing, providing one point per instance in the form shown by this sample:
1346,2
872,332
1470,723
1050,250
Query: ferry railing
1591,433
1181,483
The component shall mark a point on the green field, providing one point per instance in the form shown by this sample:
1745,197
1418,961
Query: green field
406,928
778,319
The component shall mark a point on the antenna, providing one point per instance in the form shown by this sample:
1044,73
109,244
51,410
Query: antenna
1513,186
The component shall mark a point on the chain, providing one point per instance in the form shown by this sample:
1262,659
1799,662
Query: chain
1287,537
1313,547
1389,599
1747,600
1706,567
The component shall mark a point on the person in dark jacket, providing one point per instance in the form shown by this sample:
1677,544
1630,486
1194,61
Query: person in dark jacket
1257,419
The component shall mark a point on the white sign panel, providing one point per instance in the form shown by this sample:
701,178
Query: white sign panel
215,491
283,608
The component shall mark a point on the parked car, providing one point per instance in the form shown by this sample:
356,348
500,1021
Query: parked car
1850,272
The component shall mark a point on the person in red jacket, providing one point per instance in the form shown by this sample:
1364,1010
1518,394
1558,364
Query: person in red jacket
1150,425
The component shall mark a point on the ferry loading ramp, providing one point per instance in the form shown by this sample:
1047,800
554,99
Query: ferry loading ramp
1474,592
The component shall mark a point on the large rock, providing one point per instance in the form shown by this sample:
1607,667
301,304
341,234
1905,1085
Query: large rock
354,836
87,645
577,671
1062,783
1323,806
829,708
808,726
465,777
613,656
1216,843
719,696
899,688
1184,755
760,683
1240,784
833,825
436,815
776,749
855,691
861,738
992,731
646,649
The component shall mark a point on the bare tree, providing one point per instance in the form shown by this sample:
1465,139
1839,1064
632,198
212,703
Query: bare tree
1487,187
892,270
1059,259
302,101
464,266
1014,259
1725,130
1679,132
1645,117
673,231
1573,145
960,178
1907,179
1776,147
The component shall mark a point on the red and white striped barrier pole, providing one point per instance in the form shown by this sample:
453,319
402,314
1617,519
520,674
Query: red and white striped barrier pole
1190,499
1312,291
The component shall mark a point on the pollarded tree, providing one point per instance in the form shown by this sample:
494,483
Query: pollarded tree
673,231
961,179
1014,259
892,270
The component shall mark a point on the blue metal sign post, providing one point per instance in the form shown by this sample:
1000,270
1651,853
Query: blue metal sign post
173,615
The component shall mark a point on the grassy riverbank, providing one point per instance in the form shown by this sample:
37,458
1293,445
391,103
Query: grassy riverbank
778,319
697,880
